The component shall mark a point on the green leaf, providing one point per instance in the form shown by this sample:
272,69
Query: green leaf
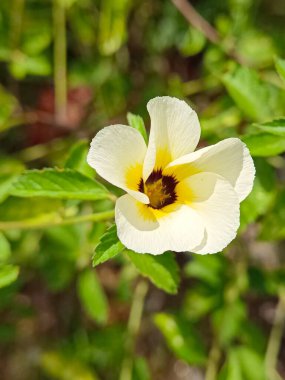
256,99
141,370
137,122
77,159
27,211
58,183
280,67
5,249
92,296
61,367
8,107
273,227
162,270
207,268
262,195
181,338
232,369
108,247
252,364
6,181
8,274
264,144
275,127
230,317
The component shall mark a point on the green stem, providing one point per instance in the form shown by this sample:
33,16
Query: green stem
213,362
17,10
55,221
60,70
274,342
133,329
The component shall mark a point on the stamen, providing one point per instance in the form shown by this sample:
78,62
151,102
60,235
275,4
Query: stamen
160,189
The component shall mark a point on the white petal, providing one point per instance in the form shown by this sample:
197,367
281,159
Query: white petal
115,151
175,131
229,158
145,230
217,203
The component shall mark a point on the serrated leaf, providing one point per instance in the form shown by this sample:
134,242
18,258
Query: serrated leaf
181,338
92,296
137,122
258,100
77,159
108,247
8,274
162,270
264,144
58,183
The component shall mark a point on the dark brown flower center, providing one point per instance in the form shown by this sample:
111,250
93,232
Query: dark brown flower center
160,189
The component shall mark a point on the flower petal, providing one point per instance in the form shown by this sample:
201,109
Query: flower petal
215,200
146,230
229,158
175,131
117,153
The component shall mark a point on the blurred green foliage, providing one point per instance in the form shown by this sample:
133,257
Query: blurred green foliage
214,317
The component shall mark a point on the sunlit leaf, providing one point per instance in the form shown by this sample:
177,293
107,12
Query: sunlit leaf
137,122
8,274
256,99
108,247
58,183
276,127
264,144
162,270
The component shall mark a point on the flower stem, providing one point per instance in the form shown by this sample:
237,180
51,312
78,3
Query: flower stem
133,328
60,70
274,342
213,362
55,221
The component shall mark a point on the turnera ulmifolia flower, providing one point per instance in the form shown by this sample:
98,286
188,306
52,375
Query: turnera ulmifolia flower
176,199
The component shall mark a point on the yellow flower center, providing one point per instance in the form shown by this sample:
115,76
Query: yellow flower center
160,189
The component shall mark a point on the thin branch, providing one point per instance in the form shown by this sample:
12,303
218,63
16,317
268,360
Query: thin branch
275,338
195,19
55,220
133,328
198,22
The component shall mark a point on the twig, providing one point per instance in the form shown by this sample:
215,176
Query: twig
133,328
275,338
199,23
195,19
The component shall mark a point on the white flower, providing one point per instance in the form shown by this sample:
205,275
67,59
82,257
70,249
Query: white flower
177,199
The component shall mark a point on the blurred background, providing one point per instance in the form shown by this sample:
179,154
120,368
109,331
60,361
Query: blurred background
71,67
